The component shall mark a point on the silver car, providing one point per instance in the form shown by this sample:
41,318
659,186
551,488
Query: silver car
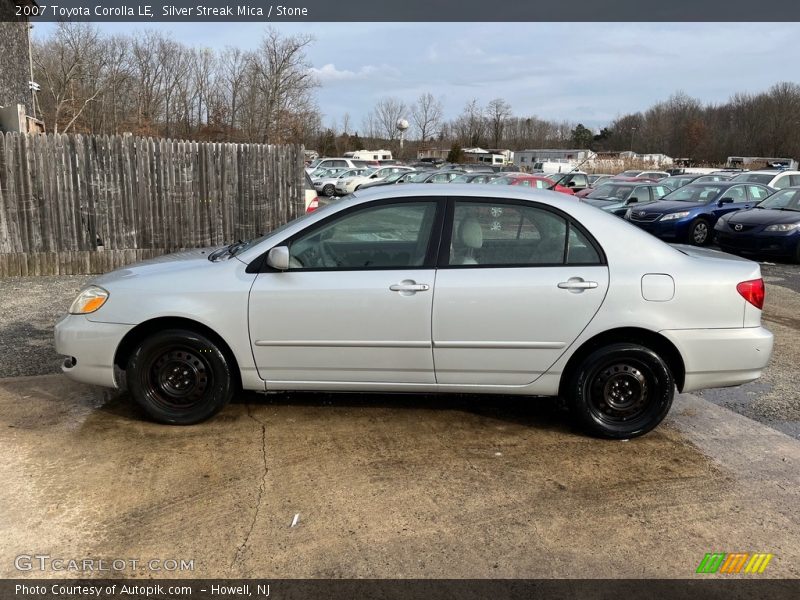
429,288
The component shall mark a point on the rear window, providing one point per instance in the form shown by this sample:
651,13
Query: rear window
764,178
309,184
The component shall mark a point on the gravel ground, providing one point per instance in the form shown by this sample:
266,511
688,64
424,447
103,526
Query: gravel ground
30,308
32,305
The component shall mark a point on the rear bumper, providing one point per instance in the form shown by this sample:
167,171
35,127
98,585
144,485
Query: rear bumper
92,345
721,357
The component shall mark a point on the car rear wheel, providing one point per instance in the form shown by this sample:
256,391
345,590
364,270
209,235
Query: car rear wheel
699,232
328,190
180,377
621,391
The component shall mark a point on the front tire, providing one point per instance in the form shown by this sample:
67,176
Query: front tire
180,377
621,391
329,190
699,232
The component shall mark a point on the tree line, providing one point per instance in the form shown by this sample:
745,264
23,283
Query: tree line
149,84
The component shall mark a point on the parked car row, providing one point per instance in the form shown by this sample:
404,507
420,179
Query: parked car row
743,213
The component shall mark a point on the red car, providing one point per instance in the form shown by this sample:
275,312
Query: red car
540,183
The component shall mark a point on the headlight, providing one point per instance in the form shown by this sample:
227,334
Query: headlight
89,300
677,215
783,227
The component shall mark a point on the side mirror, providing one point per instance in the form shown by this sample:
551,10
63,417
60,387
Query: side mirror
632,200
725,201
278,258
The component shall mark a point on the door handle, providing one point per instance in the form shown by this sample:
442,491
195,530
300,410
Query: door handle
577,284
408,287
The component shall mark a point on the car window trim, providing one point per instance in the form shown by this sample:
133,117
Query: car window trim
447,234
259,265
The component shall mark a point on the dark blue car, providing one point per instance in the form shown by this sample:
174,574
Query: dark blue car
689,213
772,228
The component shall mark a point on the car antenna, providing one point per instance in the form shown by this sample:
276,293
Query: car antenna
572,170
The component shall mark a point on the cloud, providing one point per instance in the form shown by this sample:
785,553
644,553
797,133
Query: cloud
328,73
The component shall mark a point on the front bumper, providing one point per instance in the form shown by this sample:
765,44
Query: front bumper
775,244
721,357
92,345
677,229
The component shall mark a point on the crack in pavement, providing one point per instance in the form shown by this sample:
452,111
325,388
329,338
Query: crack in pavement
243,546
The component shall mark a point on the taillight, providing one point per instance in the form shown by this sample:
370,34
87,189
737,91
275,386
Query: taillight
313,205
753,292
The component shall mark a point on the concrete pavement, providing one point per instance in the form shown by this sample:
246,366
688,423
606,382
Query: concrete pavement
386,486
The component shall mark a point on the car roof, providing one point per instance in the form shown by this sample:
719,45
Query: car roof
773,172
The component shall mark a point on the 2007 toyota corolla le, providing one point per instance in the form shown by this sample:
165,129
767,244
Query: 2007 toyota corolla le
456,288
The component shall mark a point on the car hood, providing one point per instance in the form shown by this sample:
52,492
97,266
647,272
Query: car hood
167,263
764,216
668,206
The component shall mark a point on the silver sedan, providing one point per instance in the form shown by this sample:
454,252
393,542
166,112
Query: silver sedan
429,288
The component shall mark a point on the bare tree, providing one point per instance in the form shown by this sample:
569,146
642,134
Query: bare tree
284,81
426,114
470,126
497,111
71,65
387,113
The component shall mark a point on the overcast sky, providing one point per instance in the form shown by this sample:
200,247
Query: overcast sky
587,72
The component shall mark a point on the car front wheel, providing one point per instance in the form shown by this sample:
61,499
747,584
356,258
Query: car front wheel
621,391
329,190
180,377
699,232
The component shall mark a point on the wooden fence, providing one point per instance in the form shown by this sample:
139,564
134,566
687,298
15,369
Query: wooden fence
72,204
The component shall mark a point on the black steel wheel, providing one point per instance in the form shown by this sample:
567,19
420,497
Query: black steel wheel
621,391
699,232
180,377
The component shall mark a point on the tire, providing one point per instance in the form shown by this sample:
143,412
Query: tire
700,232
620,391
329,190
180,377
796,256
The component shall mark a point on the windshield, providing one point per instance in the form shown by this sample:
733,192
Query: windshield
629,174
395,176
241,247
502,181
419,177
764,178
785,200
612,192
694,193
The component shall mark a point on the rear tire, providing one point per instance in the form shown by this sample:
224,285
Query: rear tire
620,391
180,377
699,232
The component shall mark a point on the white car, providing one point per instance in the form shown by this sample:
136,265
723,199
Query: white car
351,184
428,288
772,178
332,163
326,185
